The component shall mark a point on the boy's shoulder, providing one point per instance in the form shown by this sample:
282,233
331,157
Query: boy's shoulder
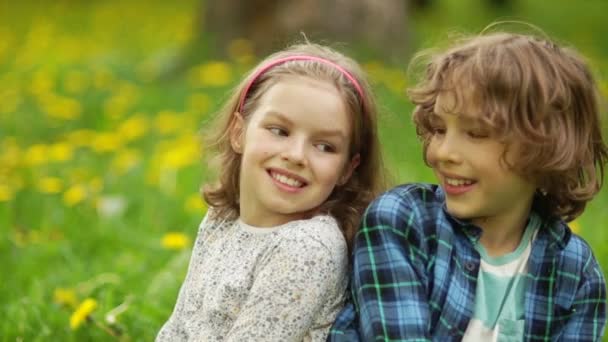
416,208
414,200
412,195
575,255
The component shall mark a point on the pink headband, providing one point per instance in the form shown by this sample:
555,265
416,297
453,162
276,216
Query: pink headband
299,58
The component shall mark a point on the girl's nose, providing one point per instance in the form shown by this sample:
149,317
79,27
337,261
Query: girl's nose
295,152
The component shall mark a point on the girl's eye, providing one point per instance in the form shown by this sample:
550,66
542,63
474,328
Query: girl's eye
323,147
278,131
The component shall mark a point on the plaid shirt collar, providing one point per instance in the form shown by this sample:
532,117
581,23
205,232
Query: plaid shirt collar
555,231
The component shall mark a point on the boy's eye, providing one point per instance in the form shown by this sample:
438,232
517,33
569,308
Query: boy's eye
437,130
324,147
478,134
278,131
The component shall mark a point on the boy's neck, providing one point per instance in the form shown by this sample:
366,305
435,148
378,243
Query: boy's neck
502,235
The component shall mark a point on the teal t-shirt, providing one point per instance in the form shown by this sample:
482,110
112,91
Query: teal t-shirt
499,299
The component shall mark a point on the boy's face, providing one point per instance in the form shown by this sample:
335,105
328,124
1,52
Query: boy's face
466,159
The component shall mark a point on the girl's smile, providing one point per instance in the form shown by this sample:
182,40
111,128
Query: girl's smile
294,149
287,181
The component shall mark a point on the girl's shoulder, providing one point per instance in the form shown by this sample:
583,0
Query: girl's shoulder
212,223
320,231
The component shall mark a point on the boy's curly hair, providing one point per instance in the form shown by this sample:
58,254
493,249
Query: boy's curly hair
533,92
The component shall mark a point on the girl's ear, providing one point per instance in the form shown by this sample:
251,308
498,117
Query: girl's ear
349,169
236,132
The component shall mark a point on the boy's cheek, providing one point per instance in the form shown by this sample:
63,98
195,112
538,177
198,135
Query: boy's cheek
431,159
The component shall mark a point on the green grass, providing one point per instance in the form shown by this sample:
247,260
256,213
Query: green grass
91,65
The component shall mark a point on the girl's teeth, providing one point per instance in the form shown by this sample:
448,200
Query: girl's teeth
286,180
458,182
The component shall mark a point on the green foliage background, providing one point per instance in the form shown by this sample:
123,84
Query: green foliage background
100,160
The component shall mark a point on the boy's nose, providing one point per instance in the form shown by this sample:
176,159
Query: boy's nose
446,150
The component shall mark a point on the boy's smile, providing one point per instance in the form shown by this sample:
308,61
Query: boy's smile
294,150
455,185
469,165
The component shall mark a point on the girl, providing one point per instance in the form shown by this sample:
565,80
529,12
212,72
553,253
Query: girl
299,158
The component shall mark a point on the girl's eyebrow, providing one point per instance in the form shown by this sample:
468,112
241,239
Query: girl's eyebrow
321,132
277,115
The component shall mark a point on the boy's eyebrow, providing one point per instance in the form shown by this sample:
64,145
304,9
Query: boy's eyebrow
472,119
324,132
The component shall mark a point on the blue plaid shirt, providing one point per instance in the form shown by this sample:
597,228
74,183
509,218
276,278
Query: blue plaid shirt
415,275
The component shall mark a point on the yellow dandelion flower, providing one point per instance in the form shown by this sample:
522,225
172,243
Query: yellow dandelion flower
575,227
125,96
167,122
42,82
76,82
61,152
36,155
74,195
6,193
50,185
81,137
10,153
175,241
184,153
125,160
211,74
199,103
81,313
65,297
134,127
106,142
116,106
195,204
59,107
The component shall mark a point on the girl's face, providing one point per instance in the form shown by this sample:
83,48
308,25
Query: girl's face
467,162
294,149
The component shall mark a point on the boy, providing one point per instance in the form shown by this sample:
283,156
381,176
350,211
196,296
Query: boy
510,126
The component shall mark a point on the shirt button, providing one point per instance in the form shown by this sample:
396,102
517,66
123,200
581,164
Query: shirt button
470,266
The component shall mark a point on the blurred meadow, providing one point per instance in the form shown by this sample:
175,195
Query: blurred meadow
100,156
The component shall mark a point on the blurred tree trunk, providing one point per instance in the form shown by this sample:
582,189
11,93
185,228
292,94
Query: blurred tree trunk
273,24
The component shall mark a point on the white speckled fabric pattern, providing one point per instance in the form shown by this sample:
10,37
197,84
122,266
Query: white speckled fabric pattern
285,283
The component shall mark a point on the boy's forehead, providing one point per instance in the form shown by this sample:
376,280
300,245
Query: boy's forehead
459,102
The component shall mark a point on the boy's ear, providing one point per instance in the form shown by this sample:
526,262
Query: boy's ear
236,132
349,169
